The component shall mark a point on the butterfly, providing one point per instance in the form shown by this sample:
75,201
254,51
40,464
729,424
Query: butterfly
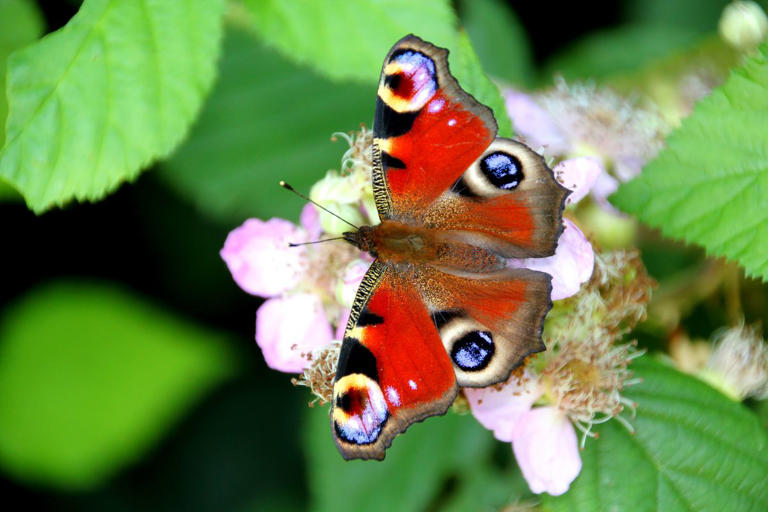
440,308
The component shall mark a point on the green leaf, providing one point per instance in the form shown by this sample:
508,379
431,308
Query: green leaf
500,40
418,465
486,488
95,102
20,25
694,449
465,66
349,39
618,50
708,186
273,121
91,377
7,192
266,120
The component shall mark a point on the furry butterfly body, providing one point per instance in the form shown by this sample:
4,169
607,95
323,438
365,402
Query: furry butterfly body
440,308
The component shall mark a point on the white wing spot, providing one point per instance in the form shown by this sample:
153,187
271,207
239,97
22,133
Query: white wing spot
393,397
435,105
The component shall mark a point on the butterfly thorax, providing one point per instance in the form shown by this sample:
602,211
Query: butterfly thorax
398,243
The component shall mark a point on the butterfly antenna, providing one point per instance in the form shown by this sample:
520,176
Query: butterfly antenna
288,187
315,241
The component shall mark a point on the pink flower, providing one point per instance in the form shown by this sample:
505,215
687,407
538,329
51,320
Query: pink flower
574,119
341,325
350,282
570,266
578,175
546,449
288,329
604,186
310,220
499,410
534,123
259,258
543,439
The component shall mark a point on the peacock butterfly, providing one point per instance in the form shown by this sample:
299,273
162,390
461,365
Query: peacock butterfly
439,307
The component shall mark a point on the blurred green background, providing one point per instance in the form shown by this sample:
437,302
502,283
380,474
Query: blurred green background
129,378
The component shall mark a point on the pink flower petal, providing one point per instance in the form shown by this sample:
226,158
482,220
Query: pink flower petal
289,328
346,289
605,185
259,258
570,266
341,325
628,166
534,123
546,450
499,409
578,175
310,221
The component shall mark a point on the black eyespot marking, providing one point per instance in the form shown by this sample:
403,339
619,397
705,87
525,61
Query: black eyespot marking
417,67
356,358
390,162
344,402
473,351
393,81
443,317
387,122
367,318
503,170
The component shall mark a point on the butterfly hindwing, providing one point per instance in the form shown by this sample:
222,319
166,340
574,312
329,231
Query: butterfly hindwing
420,112
488,323
393,369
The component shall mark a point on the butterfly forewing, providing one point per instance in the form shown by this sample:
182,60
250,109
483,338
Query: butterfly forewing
427,130
393,369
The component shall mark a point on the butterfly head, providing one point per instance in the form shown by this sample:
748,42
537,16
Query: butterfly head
362,239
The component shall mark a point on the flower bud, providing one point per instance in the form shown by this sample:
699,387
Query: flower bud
609,230
341,196
740,359
743,25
